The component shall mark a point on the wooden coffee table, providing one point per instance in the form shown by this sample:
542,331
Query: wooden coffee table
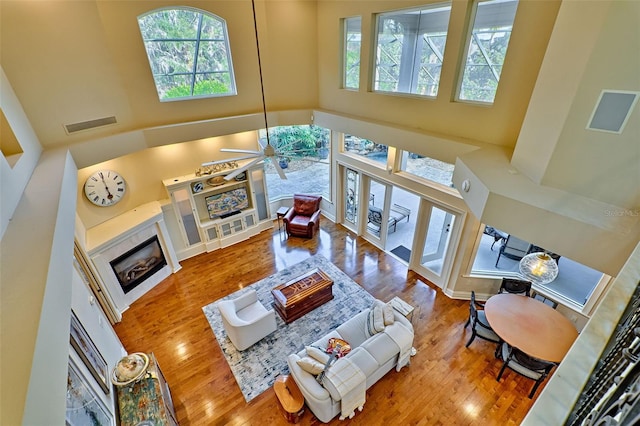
302,295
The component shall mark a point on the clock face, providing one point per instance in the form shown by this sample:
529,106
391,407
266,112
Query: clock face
104,188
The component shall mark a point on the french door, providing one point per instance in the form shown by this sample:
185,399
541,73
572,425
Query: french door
439,228
351,198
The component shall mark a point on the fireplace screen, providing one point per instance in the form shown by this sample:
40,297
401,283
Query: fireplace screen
138,264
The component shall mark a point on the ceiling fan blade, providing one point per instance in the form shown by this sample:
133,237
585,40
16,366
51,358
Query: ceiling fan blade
227,160
242,169
279,170
241,151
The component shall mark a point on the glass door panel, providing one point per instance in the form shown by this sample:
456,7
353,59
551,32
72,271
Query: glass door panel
186,216
377,214
257,186
351,193
437,240
441,228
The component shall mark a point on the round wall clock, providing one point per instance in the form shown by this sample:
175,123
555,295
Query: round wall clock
104,188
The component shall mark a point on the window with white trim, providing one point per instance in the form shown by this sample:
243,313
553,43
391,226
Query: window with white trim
428,168
188,51
575,285
486,49
352,43
410,49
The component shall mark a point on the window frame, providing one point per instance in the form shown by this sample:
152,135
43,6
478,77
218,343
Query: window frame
197,40
273,180
410,78
467,46
345,51
585,309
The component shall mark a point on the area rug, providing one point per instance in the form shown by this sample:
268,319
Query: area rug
402,252
257,367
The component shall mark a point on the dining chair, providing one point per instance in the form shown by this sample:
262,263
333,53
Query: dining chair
525,365
544,299
479,325
479,306
515,286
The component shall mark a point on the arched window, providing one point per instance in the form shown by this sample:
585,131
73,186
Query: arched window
188,52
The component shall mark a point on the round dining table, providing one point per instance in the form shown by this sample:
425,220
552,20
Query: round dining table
530,325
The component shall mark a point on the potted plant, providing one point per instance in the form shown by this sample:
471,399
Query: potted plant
283,162
323,153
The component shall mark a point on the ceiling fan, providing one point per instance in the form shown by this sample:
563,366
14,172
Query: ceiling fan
267,151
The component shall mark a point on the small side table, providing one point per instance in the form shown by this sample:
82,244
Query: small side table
280,214
290,398
403,308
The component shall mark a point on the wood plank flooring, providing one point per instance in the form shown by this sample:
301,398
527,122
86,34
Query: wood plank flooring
446,383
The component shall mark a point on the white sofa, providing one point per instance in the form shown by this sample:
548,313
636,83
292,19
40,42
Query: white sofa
373,355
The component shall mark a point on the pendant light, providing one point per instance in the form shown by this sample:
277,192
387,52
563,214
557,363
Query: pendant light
539,268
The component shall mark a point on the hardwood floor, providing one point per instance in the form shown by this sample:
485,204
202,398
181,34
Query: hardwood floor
446,383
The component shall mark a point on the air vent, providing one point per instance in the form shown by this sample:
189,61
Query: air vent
91,124
612,111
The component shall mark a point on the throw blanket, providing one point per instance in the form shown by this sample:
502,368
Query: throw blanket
402,337
350,382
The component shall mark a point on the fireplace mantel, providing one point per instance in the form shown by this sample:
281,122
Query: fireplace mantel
120,226
110,239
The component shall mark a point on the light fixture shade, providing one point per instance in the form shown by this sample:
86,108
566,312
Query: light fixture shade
539,268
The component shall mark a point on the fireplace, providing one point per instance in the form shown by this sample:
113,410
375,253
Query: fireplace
138,264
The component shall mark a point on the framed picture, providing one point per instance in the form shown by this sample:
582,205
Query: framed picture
84,407
89,354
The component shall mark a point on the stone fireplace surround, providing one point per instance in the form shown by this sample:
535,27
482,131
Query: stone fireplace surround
110,239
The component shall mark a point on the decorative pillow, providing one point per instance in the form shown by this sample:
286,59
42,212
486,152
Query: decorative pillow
338,347
375,320
387,311
310,365
318,354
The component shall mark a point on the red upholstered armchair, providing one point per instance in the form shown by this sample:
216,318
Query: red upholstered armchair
303,219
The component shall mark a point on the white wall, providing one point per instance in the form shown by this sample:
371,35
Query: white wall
36,249
14,179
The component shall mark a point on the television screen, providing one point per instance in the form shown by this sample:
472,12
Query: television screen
223,204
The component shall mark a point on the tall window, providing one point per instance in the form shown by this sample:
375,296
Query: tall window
188,52
486,49
305,158
352,42
409,50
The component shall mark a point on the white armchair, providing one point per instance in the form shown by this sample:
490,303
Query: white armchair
245,320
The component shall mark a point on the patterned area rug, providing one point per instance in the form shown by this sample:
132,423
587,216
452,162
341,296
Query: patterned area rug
257,367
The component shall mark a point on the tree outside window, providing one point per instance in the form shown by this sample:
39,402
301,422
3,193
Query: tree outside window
487,49
188,52
304,157
410,49
352,42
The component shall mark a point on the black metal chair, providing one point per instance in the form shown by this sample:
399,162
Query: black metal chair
515,286
513,248
544,299
479,325
479,306
525,365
